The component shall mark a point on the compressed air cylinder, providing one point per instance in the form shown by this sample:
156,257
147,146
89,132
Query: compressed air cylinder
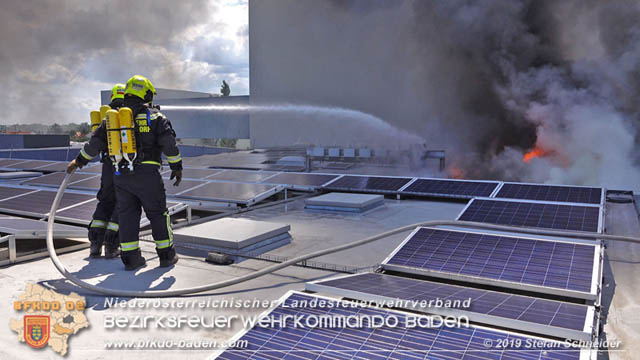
103,111
113,134
95,119
127,134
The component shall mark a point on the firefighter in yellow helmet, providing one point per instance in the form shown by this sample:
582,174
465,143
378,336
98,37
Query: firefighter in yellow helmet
142,188
104,224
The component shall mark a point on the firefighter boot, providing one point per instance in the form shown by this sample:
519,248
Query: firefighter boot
167,256
96,238
111,243
132,260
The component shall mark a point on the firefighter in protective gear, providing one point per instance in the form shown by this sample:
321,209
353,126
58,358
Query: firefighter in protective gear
104,224
142,188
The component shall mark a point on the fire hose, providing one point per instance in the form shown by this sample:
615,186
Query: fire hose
222,284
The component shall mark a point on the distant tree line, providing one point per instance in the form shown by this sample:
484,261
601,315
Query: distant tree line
77,132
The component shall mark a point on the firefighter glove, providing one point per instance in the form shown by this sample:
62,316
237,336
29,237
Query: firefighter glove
177,174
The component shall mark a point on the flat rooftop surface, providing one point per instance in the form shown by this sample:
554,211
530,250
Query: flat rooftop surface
310,231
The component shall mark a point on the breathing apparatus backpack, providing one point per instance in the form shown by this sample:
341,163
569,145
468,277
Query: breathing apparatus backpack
121,138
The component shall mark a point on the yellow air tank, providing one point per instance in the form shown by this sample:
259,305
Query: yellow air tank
96,120
113,134
128,136
103,111
127,133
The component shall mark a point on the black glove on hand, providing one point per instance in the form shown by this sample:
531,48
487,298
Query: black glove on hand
177,174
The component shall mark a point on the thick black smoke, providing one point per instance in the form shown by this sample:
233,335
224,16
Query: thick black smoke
500,78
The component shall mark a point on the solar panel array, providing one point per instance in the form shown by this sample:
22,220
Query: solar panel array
450,188
399,342
368,184
503,260
574,194
522,312
531,214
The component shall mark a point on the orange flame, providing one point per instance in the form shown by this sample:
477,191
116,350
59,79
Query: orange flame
536,152
455,172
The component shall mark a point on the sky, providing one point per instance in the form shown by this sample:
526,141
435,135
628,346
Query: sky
56,55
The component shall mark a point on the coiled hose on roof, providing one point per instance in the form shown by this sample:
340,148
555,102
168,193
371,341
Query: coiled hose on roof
221,284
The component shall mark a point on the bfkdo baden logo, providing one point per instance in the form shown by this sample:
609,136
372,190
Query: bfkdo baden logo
48,318
36,330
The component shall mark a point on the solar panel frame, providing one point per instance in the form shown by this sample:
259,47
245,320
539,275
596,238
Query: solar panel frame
406,190
599,228
585,332
295,184
415,343
592,295
335,185
508,183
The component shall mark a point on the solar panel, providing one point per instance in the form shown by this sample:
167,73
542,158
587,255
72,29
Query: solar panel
91,184
29,164
231,192
34,229
55,166
92,168
450,188
302,181
242,175
83,213
184,185
386,342
369,184
533,214
193,173
39,203
7,192
55,179
4,163
548,317
573,194
541,265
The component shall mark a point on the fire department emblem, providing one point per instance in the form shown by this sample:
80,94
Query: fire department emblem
36,330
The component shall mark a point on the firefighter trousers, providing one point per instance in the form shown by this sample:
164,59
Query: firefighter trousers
142,189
